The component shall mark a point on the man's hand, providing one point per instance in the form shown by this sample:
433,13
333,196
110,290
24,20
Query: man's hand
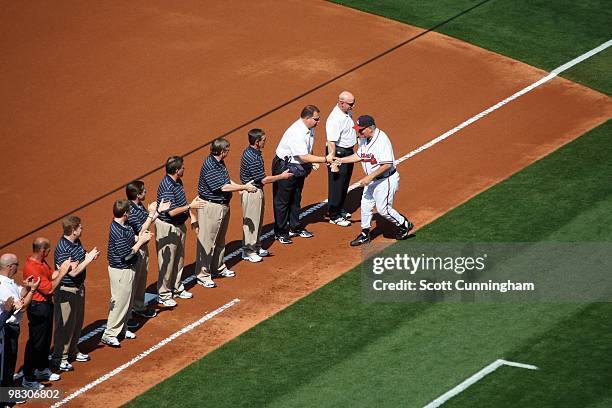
365,181
286,174
8,305
195,226
65,266
315,166
198,203
32,283
164,205
144,236
91,255
250,187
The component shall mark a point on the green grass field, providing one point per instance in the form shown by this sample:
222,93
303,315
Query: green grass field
332,349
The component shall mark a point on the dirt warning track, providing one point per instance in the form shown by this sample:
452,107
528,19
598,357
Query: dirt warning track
99,94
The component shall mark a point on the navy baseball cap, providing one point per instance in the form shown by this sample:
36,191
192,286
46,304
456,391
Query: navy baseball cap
363,122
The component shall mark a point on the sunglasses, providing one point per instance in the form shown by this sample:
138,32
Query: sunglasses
351,104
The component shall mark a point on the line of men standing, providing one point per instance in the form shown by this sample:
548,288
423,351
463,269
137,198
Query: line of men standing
60,291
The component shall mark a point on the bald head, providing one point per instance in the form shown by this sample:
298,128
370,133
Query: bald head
39,244
346,100
6,263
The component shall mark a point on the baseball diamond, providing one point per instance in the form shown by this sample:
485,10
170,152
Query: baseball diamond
99,96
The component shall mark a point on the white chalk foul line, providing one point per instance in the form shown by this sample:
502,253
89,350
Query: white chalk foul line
555,72
145,353
474,379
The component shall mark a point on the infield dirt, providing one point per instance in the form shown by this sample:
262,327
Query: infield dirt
97,95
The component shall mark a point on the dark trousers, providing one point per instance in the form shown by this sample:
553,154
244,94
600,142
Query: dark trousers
338,184
287,197
9,354
40,316
337,189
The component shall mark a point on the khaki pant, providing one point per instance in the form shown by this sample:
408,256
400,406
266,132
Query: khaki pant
140,278
170,244
69,304
252,220
121,283
213,220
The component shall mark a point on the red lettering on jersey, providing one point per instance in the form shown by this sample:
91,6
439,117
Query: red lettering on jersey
369,158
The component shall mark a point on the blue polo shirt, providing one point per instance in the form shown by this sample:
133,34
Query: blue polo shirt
172,191
137,216
213,176
121,239
66,249
252,167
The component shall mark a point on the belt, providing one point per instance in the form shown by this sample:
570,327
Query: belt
386,175
222,202
344,151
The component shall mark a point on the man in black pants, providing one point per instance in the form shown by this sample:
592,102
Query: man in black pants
294,152
341,139
40,313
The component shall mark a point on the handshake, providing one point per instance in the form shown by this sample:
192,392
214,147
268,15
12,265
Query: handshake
333,162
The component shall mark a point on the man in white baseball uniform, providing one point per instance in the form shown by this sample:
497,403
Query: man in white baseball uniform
381,182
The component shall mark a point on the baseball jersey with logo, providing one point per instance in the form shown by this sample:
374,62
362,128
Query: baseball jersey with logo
296,141
375,152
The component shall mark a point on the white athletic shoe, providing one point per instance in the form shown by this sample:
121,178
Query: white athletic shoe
168,303
251,257
343,222
184,295
46,375
129,335
263,253
209,284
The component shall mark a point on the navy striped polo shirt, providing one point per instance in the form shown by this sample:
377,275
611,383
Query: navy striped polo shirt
137,216
66,249
252,167
213,176
172,191
121,239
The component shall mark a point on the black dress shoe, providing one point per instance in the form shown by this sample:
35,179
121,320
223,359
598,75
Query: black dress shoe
362,238
403,231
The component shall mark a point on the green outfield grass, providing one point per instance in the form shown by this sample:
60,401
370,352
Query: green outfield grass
542,33
332,349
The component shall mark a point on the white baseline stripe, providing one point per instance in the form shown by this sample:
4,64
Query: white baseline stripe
145,353
555,72
474,379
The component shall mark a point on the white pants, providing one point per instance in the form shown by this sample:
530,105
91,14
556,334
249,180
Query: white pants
380,194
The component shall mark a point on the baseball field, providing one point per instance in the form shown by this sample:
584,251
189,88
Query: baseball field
100,94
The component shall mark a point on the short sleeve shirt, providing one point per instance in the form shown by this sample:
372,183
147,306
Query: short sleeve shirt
43,271
172,191
67,249
296,141
213,176
8,288
252,167
137,216
121,239
376,151
339,128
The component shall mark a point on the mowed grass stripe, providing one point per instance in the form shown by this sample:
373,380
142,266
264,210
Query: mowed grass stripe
331,349
541,33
